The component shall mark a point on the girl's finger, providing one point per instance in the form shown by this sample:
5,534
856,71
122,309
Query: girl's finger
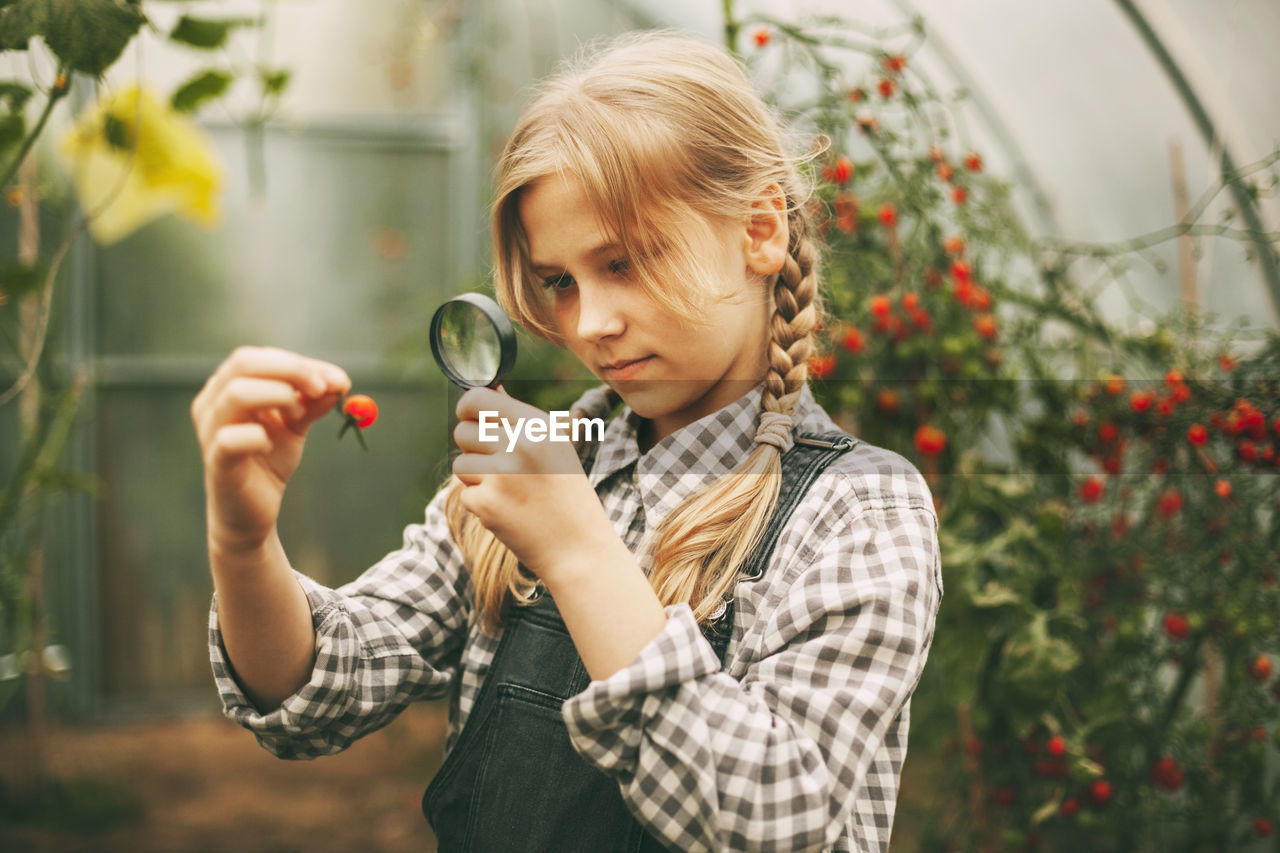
467,436
233,442
312,377
472,468
271,419
314,410
477,400
244,398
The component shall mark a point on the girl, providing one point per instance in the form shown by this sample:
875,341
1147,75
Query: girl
701,634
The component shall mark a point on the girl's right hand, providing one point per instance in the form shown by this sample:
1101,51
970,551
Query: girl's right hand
251,419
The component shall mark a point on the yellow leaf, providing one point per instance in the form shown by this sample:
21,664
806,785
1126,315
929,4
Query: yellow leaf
132,158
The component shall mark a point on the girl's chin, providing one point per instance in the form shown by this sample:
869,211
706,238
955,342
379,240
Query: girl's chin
652,400
645,399
659,401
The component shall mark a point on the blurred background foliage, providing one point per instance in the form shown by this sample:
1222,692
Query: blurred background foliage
1052,284
1107,495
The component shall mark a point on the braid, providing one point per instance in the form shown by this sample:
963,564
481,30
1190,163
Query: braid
795,297
701,545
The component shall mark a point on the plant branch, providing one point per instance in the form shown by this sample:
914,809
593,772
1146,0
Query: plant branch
45,310
1190,226
59,90
1190,668
56,262
1155,238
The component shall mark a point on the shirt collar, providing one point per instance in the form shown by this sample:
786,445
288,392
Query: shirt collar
694,455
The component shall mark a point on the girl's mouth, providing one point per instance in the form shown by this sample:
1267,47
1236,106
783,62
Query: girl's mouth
623,370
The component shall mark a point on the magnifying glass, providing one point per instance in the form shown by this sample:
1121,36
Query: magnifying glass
473,341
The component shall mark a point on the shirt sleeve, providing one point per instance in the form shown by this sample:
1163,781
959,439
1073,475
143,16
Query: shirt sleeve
777,758
391,636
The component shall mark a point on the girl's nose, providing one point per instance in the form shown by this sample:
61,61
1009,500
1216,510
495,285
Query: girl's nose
598,313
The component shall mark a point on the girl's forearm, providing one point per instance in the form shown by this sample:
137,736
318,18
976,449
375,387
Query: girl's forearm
608,606
265,620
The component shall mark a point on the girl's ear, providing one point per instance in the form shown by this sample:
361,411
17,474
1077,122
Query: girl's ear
767,233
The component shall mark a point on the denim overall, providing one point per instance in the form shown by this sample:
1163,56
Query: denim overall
513,781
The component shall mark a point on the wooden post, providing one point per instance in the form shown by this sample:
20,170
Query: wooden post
1190,292
1186,246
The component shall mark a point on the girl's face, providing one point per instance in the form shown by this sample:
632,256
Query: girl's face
667,369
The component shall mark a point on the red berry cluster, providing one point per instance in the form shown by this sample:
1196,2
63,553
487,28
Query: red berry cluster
893,65
897,325
1050,761
1166,773
839,170
947,325
1177,626
1245,427
821,365
1260,669
930,440
1153,415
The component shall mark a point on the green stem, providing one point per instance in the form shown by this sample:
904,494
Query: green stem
55,95
731,27
1155,238
1190,668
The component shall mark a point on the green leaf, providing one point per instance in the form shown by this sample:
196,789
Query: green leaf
1088,767
20,21
1051,520
208,33
274,82
18,279
39,451
1033,654
1046,811
116,133
993,594
13,127
87,35
14,94
203,87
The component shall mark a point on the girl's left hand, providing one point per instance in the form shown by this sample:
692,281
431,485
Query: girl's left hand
532,494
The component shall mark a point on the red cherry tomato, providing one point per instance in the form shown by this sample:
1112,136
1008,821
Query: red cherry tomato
362,408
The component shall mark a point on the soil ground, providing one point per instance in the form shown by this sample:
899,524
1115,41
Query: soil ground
198,784
201,784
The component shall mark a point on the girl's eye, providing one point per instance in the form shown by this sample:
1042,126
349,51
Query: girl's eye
557,282
620,266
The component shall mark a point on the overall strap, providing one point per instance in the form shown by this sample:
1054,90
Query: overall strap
807,458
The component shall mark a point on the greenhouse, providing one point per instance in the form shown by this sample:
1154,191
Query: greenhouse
1046,241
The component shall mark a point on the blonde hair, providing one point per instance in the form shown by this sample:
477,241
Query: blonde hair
667,138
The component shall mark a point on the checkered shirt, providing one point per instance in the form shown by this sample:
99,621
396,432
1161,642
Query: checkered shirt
797,743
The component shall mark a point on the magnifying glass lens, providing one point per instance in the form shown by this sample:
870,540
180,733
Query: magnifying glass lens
473,341
469,343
